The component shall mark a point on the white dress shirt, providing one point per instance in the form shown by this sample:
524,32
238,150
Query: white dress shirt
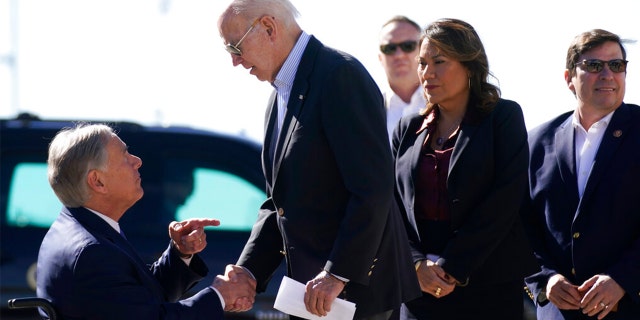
397,108
587,143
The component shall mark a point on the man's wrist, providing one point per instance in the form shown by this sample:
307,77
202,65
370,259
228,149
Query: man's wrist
180,254
331,275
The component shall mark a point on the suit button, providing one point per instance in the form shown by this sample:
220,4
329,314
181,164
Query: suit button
281,212
369,274
573,271
576,235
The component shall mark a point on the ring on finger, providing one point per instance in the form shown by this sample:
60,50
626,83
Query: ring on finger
602,304
438,290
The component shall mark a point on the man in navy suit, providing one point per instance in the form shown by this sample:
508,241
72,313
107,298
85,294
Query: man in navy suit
328,168
88,269
584,209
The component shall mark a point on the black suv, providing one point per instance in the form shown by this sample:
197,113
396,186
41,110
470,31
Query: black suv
185,173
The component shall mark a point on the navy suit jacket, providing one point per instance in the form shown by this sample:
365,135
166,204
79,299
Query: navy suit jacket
330,188
486,182
600,232
89,271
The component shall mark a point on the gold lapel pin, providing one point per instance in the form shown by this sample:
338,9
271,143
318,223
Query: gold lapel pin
617,133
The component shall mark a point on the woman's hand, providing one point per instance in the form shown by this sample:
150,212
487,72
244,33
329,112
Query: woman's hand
433,279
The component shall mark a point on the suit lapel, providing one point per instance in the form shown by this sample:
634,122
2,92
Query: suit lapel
464,136
416,151
101,229
295,104
565,158
269,145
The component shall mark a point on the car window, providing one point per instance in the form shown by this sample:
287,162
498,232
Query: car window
223,196
30,199
202,192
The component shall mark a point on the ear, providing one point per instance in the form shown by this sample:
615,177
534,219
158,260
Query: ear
95,181
270,25
568,78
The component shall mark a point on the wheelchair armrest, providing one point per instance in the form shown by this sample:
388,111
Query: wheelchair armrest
28,303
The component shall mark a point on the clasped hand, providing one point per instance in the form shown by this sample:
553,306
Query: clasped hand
237,287
599,295
434,280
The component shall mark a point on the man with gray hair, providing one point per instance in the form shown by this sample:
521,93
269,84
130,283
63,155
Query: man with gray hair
88,269
330,211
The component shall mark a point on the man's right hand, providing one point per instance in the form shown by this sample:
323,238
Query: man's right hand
563,293
237,287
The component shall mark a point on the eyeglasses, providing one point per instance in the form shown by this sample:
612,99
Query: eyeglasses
390,48
235,48
596,65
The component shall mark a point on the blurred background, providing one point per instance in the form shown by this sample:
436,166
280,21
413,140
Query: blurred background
163,62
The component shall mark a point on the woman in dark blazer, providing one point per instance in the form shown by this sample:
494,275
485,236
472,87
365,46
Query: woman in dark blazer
461,173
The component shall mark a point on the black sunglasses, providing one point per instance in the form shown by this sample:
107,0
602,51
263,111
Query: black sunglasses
390,48
596,65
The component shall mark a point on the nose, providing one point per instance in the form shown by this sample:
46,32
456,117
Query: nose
137,162
424,72
236,60
606,72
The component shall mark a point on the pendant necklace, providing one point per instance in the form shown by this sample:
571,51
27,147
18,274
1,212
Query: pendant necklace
440,140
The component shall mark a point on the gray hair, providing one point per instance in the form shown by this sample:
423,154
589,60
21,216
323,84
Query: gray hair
72,154
254,9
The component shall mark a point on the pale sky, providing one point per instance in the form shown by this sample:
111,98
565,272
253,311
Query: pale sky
163,62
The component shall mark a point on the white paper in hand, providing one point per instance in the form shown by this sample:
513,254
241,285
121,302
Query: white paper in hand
290,300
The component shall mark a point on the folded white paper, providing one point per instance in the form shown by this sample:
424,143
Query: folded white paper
290,300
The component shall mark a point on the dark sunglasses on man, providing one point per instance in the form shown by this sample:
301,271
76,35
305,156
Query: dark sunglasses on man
406,47
597,65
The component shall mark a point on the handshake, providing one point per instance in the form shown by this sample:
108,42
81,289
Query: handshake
237,287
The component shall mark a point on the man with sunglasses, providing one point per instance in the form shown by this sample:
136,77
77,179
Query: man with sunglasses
583,210
398,50
329,211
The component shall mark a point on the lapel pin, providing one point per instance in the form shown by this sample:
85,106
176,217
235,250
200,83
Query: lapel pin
617,133
301,97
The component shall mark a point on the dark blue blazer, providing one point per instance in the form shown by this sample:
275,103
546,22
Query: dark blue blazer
486,182
600,233
330,188
89,271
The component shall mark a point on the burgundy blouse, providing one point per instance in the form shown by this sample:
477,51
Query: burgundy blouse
431,199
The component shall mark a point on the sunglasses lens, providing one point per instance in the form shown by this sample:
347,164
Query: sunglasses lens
408,46
388,49
618,65
233,50
594,66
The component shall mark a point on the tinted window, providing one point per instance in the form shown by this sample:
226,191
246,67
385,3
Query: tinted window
187,192
30,199
223,196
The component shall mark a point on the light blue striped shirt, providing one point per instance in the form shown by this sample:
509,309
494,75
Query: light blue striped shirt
284,80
